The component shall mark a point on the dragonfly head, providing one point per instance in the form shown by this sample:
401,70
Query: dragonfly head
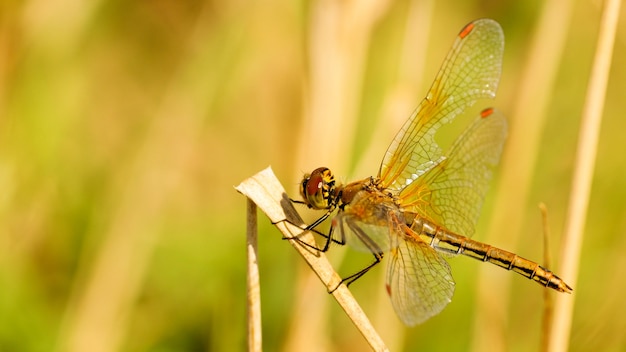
318,189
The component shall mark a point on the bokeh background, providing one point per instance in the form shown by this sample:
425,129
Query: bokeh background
125,125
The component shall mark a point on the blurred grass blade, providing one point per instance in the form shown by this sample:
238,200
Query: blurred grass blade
548,297
519,159
583,173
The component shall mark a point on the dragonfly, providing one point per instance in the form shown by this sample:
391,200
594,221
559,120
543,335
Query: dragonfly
423,205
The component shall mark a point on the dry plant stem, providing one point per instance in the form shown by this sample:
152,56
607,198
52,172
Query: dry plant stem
254,291
583,173
268,194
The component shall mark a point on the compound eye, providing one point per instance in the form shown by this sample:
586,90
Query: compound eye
314,185
316,188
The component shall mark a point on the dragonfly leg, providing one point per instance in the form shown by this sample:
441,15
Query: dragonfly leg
312,228
352,278
371,245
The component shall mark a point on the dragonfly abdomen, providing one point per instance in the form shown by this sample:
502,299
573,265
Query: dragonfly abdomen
448,242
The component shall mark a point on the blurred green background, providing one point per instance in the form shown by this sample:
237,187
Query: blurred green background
125,125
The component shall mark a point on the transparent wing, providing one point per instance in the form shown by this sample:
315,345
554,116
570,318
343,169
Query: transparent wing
451,193
470,71
419,281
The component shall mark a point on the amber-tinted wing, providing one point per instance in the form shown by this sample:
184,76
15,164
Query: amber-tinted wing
470,71
419,281
451,193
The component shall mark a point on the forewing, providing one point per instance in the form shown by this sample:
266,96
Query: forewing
470,71
419,281
452,192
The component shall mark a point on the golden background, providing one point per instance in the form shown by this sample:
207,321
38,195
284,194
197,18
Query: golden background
125,125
